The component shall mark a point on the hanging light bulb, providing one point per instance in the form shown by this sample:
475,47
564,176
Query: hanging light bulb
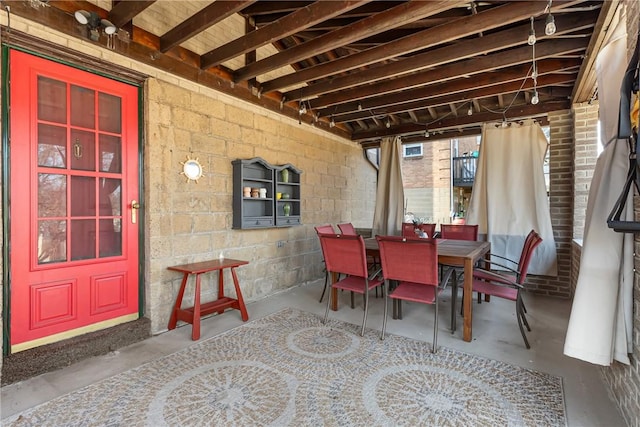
535,99
426,133
550,25
332,123
387,123
532,35
470,110
303,108
359,106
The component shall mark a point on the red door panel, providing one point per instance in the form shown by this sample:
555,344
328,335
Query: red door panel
73,172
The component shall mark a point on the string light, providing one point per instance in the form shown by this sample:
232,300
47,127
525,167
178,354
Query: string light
549,23
532,35
535,99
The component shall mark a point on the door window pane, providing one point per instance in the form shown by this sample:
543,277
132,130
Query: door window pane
110,149
110,113
83,196
110,197
52,146
52,195
110,237
83,107
52,100
83,239
83,150
52,241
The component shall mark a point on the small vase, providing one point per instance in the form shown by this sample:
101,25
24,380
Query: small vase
285,175
287,209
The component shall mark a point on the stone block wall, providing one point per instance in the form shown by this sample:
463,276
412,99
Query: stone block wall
192,222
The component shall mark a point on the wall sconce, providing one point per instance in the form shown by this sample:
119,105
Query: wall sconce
93,22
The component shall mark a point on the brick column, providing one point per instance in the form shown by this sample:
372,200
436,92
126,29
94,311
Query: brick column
561,204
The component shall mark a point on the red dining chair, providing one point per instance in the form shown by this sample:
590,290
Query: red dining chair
324,229
345,254
409,229
509,285
347,228
459,231
413,263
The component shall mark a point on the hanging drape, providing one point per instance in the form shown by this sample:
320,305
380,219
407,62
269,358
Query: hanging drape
509,196
389,210
601,323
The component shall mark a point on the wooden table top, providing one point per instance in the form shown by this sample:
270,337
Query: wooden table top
210,265
448,248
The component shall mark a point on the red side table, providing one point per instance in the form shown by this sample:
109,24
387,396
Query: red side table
192,314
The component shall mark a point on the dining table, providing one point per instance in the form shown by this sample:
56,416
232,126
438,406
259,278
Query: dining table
457,253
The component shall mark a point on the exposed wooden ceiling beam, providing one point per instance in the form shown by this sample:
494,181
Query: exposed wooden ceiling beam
207,17
457,51
417,98
514,113
467,67
123,12
474,91
469,25
286,26
388,19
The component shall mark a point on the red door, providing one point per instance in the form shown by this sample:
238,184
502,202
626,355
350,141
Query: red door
74,182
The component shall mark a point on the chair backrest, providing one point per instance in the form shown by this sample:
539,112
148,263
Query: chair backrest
408,229
324,229
347,228
459,231
530,244
344,253
409,259
429,229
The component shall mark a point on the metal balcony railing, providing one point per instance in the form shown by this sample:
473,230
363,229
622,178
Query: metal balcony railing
464,170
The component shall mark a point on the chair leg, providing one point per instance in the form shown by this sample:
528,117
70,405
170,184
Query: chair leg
454,301
366,308
524,336
522,311
384,316
326,312
353,304
326,281
435,327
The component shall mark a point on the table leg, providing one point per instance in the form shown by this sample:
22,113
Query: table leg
195,331
467,300
334,292
243,308
173,320
221,286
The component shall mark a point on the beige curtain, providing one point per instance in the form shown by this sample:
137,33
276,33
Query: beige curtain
601,323
389,210
509,196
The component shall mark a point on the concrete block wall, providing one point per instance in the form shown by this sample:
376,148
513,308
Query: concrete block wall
192,222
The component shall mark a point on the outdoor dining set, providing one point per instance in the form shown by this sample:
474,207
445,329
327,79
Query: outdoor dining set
418,265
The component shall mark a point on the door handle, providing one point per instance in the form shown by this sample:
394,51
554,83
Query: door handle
134,211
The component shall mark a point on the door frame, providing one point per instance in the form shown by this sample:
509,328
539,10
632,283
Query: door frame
60,55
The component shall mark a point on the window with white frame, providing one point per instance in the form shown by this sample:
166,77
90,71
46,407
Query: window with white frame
412,150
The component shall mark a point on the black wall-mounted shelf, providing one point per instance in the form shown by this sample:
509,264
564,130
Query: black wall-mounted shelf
269,211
